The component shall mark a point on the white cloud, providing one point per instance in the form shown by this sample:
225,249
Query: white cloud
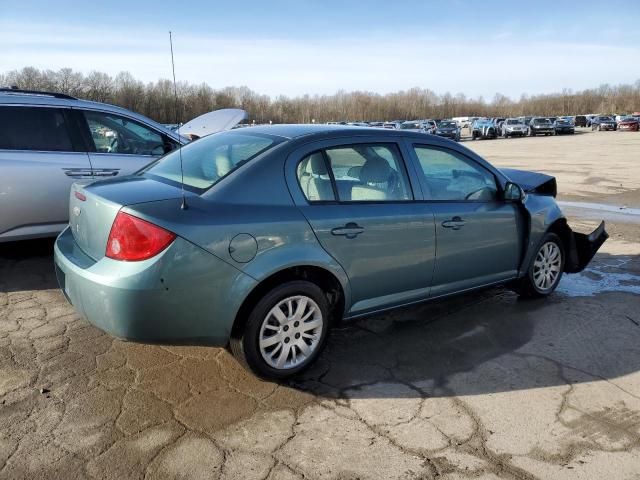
297,66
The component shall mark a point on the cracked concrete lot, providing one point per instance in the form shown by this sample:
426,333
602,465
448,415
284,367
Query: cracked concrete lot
479,386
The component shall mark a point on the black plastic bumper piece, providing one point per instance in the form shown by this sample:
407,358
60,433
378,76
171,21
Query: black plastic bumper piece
583,247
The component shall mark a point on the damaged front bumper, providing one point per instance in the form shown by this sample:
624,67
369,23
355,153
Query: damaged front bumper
582,248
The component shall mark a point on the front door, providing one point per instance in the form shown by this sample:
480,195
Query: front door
359,202
478,234
121,146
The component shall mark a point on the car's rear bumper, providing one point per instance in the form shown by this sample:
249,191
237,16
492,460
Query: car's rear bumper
583,247
182,295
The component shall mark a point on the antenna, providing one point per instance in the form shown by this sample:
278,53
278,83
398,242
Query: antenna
183,206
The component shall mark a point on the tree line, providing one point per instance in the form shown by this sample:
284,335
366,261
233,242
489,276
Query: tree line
157,100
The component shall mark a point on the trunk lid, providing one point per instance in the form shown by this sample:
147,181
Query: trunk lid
93,208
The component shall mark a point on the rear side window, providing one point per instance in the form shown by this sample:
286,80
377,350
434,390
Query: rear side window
314,179
209,159
369,173
34,128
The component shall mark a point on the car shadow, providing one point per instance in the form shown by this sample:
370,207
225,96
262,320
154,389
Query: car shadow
27,265
488,342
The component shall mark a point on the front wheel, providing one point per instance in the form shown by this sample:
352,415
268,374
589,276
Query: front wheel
545,269
285,331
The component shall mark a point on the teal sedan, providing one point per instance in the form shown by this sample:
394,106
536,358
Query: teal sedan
264,238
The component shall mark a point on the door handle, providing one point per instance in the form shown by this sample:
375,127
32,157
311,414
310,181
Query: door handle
455,223
77,172
105,172
350,230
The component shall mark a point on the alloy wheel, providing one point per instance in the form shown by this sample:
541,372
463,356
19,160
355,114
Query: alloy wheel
290,332
547,266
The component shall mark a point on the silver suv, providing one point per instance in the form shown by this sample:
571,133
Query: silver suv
49,141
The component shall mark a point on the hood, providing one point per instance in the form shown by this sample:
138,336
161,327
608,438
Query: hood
213,122
532,182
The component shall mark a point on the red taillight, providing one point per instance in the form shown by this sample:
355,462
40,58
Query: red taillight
132,239
80,196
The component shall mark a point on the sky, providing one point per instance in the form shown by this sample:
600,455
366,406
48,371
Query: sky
302,47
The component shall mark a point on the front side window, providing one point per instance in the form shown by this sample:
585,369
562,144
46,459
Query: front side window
369,173
115,134
34,128
450,176
209,159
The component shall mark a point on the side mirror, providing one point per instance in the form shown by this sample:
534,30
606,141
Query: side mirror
513,192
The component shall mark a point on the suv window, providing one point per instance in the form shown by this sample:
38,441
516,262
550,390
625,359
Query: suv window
368,173
34,128
450,176
115,134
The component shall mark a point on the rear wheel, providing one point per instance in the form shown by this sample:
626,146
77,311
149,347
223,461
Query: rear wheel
285,332
545,269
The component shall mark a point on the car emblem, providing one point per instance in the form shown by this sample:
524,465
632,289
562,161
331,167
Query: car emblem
77,211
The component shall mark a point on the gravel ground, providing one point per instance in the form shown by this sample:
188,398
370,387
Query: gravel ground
479,386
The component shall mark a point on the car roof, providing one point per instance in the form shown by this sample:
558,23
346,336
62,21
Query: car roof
21,98
297,134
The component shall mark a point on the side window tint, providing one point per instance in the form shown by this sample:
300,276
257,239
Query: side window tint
115,134
372,173
450,176
34,128
314,178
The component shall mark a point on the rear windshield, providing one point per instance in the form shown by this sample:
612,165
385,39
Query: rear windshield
208,160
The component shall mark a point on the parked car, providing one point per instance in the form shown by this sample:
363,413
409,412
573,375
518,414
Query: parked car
590,118
603,122
49,140
563,126
497,122
540,126
416,126
448,129
150,259
629,124
483,128
580,121
513,127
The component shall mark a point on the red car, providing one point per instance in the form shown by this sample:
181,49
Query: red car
629,124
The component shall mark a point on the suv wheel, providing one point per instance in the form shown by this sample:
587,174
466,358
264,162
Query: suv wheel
285,331
545,269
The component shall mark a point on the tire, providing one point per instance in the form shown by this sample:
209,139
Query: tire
246,346
533,284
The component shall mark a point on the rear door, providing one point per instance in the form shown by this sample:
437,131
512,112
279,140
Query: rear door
41,155
479,235
360,203
119,145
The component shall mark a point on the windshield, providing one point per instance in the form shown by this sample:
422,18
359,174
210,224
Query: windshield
513,122
207,160
448,125
605,119
542,120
